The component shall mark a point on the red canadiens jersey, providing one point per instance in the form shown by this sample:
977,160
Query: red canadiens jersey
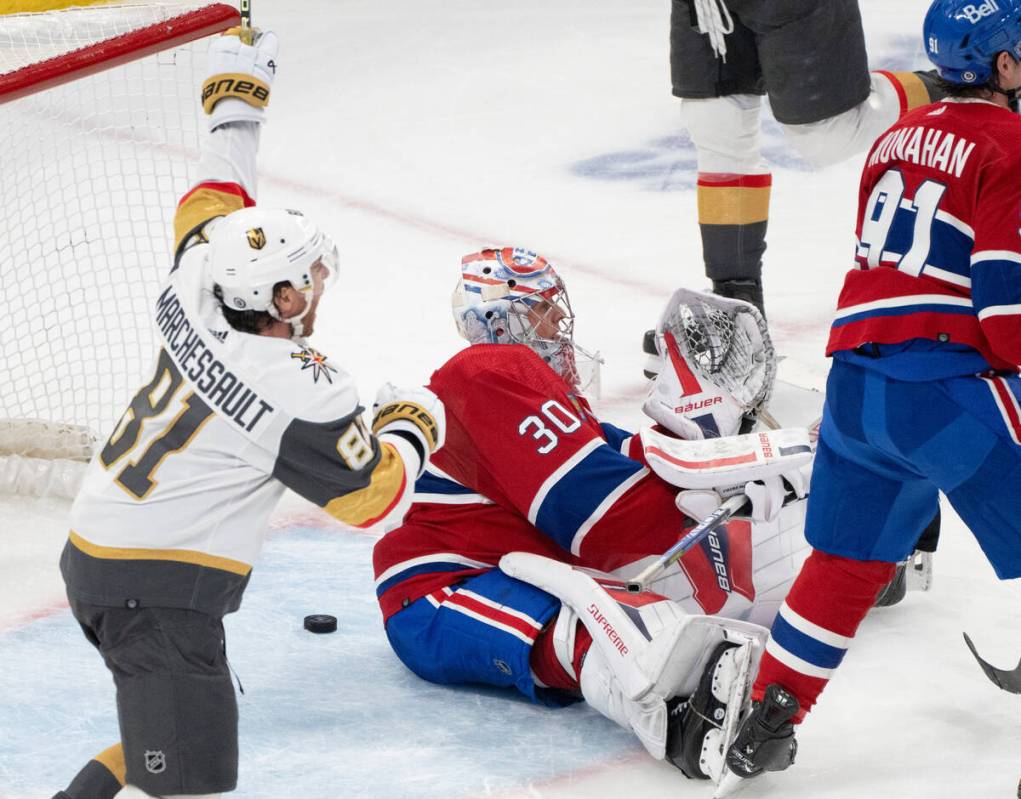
526,467
938,239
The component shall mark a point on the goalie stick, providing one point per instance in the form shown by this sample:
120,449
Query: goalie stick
640,582
1007,680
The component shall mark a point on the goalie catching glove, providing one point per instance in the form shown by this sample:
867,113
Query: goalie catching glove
717,370
415,415
237,89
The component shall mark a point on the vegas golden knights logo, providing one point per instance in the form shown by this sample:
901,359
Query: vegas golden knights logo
256,238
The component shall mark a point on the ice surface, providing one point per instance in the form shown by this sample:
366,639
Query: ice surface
414,131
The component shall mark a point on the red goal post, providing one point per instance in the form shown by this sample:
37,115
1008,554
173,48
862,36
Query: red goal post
99,137
117,50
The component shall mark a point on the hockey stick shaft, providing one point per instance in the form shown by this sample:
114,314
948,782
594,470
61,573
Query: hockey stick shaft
247,35
731,506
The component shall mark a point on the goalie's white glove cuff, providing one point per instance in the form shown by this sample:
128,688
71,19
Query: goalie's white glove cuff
768,496
238,83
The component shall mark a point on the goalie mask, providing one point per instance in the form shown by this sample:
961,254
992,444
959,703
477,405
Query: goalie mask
253,249
513,296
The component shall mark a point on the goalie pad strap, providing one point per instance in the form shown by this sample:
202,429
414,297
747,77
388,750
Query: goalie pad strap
246,88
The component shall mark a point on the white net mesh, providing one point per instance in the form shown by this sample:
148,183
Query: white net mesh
91,172
29,38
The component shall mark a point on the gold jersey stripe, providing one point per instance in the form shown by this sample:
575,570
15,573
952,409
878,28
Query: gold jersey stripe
732,205
113,759
33,6
178,555
201,205
914,89
368,505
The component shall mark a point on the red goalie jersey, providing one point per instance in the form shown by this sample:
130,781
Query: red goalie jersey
527,467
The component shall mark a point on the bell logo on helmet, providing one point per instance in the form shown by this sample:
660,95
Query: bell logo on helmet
256,238
974,13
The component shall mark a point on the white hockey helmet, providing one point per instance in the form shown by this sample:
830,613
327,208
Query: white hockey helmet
253,249
514,296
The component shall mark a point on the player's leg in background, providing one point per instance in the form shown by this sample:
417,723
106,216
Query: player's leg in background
720,107
915,573
815,66
866,511
885,447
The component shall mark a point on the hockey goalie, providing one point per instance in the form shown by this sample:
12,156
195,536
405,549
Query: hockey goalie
508,569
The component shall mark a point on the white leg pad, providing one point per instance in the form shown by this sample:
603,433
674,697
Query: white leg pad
725,131
639,657
838,138
646,717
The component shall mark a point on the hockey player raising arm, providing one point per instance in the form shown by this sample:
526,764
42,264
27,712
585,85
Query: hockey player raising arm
478,584
923,393
172,512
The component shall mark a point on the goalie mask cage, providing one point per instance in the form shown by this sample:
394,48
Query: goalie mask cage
99,114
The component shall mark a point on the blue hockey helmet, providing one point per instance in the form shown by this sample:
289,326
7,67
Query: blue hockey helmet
963,37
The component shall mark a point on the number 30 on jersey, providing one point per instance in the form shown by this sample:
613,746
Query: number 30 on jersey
552,414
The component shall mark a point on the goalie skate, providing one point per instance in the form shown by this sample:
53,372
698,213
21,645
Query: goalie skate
701,728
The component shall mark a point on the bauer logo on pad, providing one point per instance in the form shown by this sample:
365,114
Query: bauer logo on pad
256,238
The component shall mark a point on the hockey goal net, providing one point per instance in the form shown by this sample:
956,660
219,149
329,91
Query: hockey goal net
99,136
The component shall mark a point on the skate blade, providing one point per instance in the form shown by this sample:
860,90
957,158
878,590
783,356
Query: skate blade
729,784
737,702
918,573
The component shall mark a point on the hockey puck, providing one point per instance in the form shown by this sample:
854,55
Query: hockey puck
321,623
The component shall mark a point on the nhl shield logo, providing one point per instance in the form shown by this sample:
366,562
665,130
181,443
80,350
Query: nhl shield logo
256,238
155,761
